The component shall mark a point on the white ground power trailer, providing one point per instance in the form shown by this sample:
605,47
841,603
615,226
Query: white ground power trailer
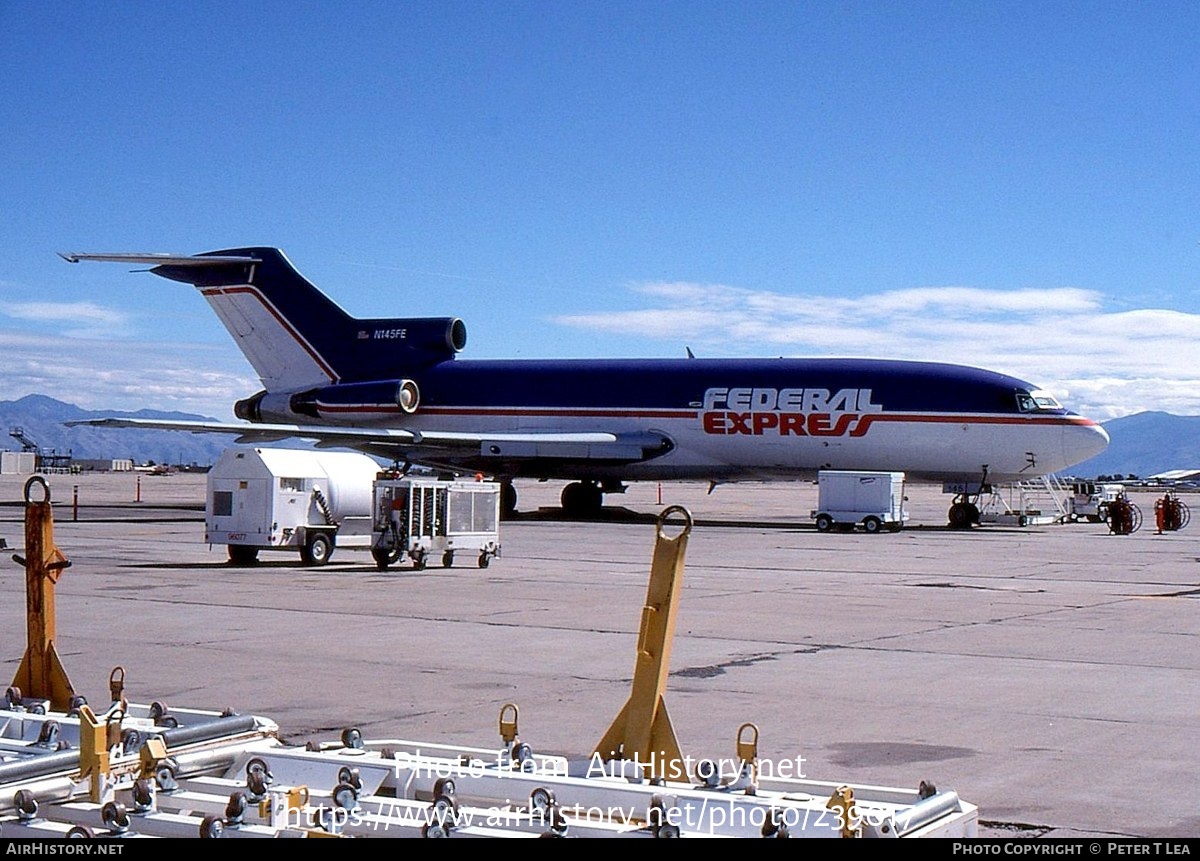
872,500
288,499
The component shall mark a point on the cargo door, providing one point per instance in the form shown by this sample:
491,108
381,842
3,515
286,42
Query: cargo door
898,499
239,511
293,507
472,511
461,517
838,492
486,519
869,495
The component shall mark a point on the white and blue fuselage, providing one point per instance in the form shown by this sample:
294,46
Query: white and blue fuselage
394,387
741,418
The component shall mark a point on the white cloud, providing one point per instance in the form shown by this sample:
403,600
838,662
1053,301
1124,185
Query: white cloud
1102,363
963,301
74,319
100,374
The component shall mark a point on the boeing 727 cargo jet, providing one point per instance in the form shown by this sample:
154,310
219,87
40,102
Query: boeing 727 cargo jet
394,387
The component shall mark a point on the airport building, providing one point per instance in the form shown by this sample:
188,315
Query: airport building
123,464
17,463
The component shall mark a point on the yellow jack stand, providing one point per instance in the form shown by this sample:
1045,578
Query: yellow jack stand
41,674
642,731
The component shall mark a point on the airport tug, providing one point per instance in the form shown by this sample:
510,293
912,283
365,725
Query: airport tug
127,770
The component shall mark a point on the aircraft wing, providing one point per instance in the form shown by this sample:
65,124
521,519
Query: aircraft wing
442,447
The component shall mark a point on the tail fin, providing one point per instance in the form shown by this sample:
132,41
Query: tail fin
294,335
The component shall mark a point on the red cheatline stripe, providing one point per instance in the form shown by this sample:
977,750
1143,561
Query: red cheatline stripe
870,418
600,412
512,411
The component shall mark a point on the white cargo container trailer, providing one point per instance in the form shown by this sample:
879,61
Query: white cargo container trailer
289,499
872,500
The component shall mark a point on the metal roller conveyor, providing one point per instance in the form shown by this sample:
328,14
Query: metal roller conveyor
39,765
925,811
46,791
209,730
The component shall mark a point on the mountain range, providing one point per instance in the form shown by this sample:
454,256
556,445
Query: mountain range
1146,444
1143,444
41,420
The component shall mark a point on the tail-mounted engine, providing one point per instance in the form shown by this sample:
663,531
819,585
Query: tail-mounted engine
387,347
334,403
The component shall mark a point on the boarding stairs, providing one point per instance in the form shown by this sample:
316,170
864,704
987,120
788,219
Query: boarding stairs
1038,501
46,460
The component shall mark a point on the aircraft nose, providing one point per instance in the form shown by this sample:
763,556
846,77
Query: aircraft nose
1083,441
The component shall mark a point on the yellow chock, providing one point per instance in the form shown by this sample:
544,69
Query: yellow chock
642,731
842,804
151,754
93,751
41,674
508,723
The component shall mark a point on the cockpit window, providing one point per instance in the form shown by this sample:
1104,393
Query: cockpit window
1037,401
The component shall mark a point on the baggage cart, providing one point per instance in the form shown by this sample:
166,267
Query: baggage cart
873,500
418,519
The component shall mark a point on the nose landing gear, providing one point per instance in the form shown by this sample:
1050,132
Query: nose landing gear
964,510
963,513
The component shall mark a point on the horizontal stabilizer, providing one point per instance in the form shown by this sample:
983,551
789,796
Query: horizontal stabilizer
160,259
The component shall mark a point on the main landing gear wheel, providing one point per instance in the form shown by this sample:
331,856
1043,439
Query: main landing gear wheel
317,549
508,500
962,515
582,499
240,554
385,556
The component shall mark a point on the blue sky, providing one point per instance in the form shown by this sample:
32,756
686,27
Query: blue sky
1013,185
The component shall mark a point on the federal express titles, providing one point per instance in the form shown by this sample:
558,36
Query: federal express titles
788,412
